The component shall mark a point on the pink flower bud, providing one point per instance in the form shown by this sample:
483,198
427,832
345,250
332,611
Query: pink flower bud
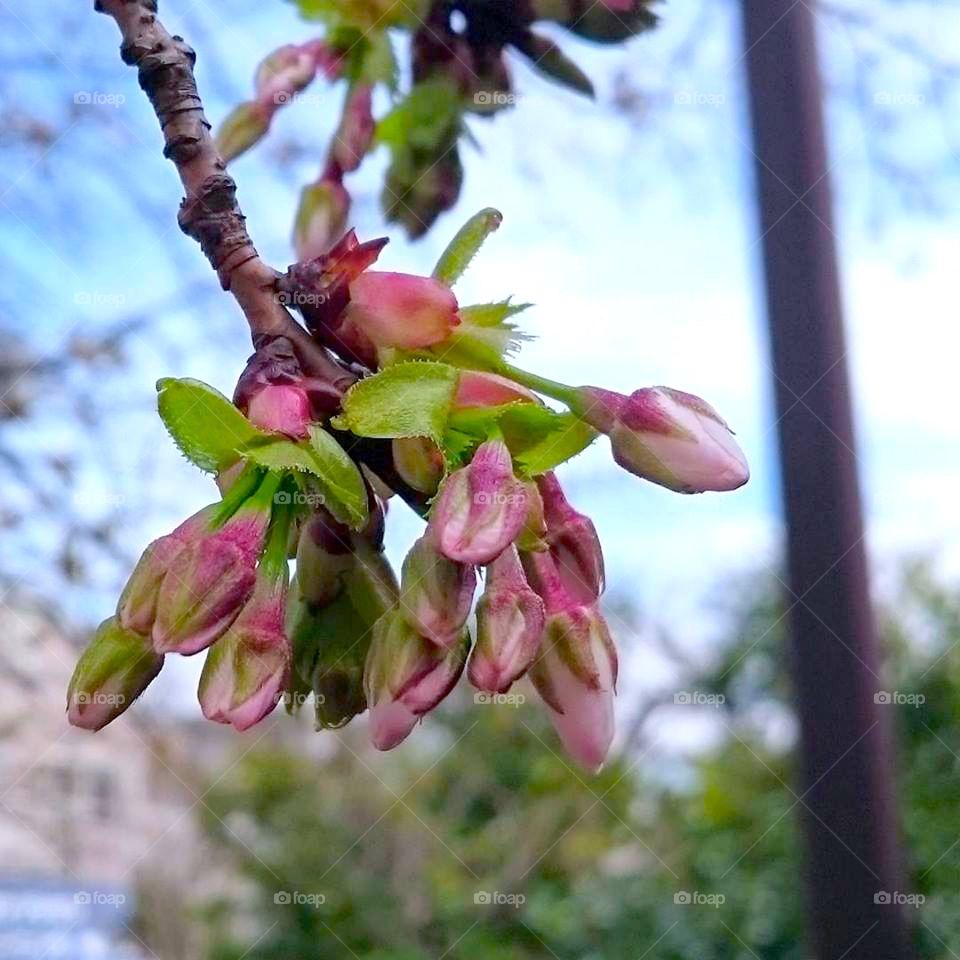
668,437
208,582
355,133
402,310
324,556
576,674
419,462
573,543
481,508
510,621
112,672
275,395
436,593
321,218
284,73
406,676
284,408
137,607
246,670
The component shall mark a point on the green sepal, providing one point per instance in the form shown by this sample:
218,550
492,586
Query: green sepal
206,427
338,477
539,438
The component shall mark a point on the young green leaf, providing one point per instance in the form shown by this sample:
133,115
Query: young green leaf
204,424
424,119
539,443
337,476
409,399
339,479
464,246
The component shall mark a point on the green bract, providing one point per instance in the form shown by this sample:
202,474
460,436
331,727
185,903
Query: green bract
213,434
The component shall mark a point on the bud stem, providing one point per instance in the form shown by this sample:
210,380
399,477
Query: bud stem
550,388
275,561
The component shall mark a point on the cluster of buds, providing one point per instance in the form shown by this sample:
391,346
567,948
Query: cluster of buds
216,583
458,66
277,81
439,417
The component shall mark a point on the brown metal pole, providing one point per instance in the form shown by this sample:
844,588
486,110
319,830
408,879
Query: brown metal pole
847,808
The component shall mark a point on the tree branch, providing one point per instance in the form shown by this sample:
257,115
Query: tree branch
209,212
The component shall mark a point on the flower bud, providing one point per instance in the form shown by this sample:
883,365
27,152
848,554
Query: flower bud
477,389
573,543
331,643
402,310
669,437
419,189
419,462
137,607
576,675
407,676
246,670
355,133
321,218
330,646
209,581
481,508
324,555
285,72
510,621
245,125
436,593
275,395
116,667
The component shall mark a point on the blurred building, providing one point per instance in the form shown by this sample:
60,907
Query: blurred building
82,816
99,832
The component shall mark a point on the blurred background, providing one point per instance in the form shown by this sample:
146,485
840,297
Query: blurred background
629,223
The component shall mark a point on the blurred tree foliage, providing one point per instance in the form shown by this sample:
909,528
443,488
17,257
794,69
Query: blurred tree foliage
404,849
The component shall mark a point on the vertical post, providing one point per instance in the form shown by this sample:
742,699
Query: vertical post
847,808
